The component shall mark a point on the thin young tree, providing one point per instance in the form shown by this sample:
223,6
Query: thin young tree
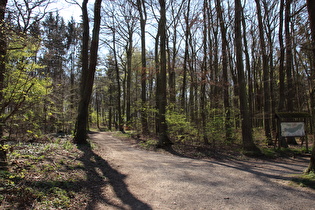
89,62
270,17
290,93
118,95
266,77
288,56
176,10
186,55
281,60
224,48
204,68
143,19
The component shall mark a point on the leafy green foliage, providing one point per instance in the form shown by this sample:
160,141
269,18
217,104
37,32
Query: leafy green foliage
24,87
149,144
5,147
180,129
214,127
22,78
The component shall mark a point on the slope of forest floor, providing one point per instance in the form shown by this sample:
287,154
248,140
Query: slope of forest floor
47,174
52,173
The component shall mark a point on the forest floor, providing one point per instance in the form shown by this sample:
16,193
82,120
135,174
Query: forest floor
115,173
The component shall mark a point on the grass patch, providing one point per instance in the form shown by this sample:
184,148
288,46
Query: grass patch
119,134
305,180
149,144
271,152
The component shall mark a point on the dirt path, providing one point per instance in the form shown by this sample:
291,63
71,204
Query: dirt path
137,179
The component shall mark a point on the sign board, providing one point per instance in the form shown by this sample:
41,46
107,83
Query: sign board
292,129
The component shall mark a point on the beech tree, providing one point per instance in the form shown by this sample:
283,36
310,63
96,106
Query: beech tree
282,95
143,19
227,106
89,62
161,81
247,136
3,52
289,57
311,12
22,84
186,54
266,77
28,13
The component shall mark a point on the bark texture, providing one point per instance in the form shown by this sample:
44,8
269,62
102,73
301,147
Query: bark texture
247,133
311,12
89,62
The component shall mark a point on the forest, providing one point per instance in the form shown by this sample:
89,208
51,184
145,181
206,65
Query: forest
204,72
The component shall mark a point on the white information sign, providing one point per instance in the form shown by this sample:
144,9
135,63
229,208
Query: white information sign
292,129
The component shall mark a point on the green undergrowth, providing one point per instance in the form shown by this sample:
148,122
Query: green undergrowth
305,180
46,175
149,144
292,151
220,148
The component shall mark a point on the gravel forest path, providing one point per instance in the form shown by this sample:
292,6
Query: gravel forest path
126,177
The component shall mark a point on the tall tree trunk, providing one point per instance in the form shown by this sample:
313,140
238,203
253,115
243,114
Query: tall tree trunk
110,111
97,104
213,56
266,78
270,37
311,12
203,75
227,106
281,61
143,19
157,70
3,53
89,63
82,118
161,84
289,57
72,91
248,69
129,72
119,112
247,136
290,94
186,55
172,75
282,92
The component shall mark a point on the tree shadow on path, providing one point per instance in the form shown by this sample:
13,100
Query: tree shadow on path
100,175
264,169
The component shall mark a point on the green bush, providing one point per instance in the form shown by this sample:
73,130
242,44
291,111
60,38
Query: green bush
180,129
